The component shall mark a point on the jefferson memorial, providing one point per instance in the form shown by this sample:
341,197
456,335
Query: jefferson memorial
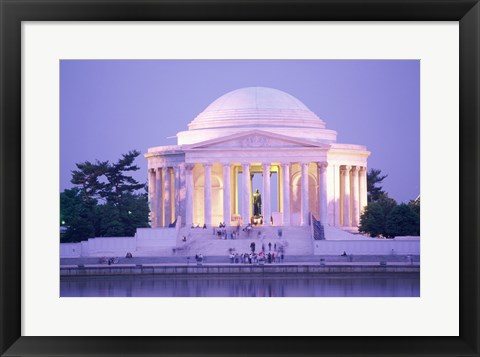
256,158
207,177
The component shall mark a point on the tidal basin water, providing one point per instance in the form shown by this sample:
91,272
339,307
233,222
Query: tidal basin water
335,285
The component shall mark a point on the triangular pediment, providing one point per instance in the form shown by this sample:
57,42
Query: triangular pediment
255,139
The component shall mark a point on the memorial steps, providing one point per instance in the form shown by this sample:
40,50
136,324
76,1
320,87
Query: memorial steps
295,240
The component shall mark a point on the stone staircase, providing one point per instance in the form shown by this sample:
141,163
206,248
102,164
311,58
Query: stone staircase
294,240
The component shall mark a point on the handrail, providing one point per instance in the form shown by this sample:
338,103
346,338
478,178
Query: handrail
317,228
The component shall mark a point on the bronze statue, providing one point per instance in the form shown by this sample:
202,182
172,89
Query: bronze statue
257,204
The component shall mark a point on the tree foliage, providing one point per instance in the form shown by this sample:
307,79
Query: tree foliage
87,176
119,183
374,190
402,221
387,219
372,220
415,205
75,214
383,217
122,209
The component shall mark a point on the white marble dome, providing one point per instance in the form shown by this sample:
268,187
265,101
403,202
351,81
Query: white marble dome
256,107
256,98
260,108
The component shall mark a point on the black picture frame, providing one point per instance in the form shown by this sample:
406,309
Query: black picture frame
13,12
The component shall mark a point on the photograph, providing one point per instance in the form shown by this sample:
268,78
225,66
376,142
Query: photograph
261,163
239,178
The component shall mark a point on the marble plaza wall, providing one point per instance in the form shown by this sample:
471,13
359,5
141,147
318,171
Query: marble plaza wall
367,247
145,239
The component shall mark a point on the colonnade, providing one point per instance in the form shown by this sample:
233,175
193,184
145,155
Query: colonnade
166,200
353,195
171,193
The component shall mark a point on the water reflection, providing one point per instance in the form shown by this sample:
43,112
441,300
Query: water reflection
339,285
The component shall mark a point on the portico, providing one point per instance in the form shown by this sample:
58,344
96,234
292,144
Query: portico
207,177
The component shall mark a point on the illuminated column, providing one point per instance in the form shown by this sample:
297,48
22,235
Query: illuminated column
207,199
266,210
235,190
151,197
355,195
337,181
167,199
182,192
304,213
286,194
227,214
246,193
189,198
176,192
362,178
323,203
346,196
158,198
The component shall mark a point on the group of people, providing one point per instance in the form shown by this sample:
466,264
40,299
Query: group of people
254,258
109,261
198,226
275,248
221,233
199,258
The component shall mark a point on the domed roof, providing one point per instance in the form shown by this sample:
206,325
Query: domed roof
256,98
256,107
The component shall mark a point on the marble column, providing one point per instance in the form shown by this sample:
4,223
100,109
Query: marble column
305,210
247,194
323,203
337,181
355,197
176,192
158,197
182,192
346,196
167,197
362,178
207,198
151,197
286,194
189,198
227,203
266,210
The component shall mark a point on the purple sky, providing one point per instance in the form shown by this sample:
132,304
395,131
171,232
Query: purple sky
110,107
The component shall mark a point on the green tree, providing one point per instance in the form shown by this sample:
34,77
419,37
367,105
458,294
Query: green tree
123,210
372,220
119,183
109,222
134,213
87,179
87,176
374,190
402,221
415,205
75,216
